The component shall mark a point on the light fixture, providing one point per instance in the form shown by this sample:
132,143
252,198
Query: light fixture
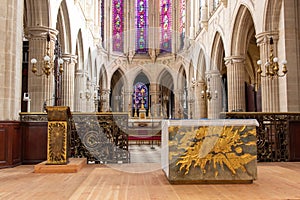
207,94
271,67
48,63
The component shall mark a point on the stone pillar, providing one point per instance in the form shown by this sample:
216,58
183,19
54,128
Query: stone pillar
79,94
40,87
214,88
236,83
11,59
68,82
200,100
154,93
178,104
105,100
128,102
269,86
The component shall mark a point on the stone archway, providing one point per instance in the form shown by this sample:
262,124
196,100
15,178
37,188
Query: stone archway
241,69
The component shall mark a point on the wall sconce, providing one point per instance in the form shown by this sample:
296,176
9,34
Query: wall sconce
48,62
271,67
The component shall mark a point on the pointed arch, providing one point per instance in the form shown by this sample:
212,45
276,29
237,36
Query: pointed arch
272,15
79,51
63,26
218,53
201,67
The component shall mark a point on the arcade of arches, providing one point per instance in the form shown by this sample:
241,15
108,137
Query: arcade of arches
181,52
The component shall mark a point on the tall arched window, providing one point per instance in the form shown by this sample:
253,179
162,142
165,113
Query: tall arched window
118,25
102,20
166,25
182,22
141,24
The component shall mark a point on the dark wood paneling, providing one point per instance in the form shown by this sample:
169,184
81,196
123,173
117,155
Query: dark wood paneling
34,142
294,130
10,144
3,147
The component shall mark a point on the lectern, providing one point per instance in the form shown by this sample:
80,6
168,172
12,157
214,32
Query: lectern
58,134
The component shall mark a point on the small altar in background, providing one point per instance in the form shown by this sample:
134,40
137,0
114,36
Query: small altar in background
209,151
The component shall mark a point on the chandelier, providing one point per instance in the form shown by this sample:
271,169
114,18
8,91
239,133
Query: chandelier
49,63
271,67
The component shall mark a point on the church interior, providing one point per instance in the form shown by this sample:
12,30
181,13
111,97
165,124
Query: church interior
139,90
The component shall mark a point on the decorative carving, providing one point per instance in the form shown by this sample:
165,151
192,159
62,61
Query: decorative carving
57,143
216,147
101,138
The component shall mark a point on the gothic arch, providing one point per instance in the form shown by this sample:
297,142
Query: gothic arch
272,15
79,51
217,54
243,24
201,67
118,87
63,26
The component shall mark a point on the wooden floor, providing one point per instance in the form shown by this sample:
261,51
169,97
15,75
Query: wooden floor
143,181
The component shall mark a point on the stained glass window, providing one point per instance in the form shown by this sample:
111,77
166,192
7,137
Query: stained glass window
166,25
140,96
102,20
117,12
182,22
141,23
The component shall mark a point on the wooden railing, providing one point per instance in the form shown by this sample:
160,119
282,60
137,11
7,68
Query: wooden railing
274,134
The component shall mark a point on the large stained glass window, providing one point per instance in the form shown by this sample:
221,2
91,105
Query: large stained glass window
141,23
182,22
166,25
117,14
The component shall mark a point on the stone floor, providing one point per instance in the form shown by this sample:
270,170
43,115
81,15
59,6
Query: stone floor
144,153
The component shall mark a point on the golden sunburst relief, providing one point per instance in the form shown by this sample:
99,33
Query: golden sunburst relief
57,139
216,146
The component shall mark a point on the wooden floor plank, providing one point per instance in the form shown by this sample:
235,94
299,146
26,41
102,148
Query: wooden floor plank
137,181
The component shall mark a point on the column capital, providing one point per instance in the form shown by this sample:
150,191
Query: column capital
40,32
262,38
234,59
70,58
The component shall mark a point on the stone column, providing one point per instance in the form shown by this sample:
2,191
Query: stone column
269,86
40,87
200,100
154,93
79,93
68,82
11,31
105,100
128,102
215,90
178,104
236,83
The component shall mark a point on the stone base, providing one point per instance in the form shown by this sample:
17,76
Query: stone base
74,165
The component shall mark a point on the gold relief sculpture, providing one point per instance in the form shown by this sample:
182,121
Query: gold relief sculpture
57,143
213,146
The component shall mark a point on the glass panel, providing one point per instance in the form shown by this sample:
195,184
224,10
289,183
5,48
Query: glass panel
141,23
140,96
182,22
166,25
117,25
